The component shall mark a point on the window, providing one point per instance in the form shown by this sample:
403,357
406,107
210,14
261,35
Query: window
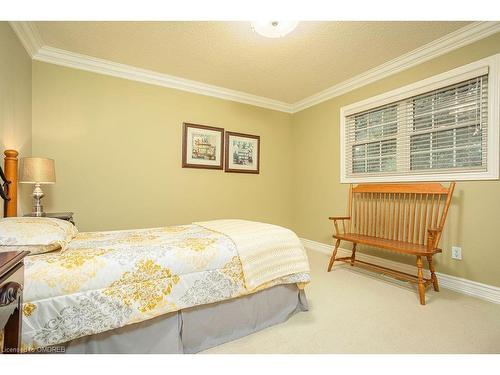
375,138
448,127
442,128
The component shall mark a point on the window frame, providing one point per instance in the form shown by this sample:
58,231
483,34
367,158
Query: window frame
492,66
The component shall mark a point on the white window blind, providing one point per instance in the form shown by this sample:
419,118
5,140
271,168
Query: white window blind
440,131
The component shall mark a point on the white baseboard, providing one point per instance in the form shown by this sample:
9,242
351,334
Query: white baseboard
472,288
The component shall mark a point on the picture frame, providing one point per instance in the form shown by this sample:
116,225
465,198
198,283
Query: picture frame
202,146
242,153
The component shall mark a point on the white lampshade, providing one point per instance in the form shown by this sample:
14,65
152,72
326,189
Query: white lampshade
274,29
37,171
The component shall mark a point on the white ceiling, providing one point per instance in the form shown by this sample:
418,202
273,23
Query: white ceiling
314,57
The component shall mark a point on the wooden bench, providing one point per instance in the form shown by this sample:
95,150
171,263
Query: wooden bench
403,218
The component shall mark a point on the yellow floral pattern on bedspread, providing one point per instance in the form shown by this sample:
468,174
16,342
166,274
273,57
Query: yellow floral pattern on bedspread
106,280
142,286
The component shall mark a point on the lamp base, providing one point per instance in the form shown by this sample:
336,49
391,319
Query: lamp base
38,213
37,196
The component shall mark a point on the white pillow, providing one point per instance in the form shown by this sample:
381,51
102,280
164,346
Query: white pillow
24,231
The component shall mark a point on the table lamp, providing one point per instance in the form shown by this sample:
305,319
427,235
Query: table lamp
37,171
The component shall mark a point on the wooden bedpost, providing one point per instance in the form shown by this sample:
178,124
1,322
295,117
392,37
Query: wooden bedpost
10,169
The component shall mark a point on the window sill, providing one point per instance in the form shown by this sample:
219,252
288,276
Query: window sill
436,176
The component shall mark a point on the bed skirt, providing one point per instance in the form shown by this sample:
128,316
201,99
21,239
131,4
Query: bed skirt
198,328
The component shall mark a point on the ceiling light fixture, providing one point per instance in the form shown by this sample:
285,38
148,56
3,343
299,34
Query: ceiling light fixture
274,29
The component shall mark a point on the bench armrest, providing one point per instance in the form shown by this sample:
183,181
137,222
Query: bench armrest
337,218
432,237
434,230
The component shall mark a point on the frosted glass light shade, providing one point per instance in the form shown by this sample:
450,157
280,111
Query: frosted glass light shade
37,171
274,29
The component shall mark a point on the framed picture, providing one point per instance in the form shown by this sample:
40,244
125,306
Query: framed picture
242,153
202,146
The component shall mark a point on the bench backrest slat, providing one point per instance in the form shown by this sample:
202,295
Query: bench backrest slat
401,212
432,188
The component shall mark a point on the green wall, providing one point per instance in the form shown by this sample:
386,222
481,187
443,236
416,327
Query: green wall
117,146
473,220
15,102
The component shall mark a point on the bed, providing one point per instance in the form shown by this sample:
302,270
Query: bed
174,289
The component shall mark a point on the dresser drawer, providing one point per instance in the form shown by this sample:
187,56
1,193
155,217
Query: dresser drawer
11,288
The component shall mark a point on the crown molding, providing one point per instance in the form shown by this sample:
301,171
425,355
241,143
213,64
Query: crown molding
101,66
33,43
28,35
459,38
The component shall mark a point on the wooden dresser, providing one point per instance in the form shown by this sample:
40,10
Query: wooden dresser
11,299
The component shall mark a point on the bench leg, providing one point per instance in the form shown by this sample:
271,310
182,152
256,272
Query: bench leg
334,254
421,286
433,275
353,255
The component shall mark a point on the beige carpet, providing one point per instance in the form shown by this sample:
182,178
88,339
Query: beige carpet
352,311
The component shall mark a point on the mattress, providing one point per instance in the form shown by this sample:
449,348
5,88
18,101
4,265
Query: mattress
107,280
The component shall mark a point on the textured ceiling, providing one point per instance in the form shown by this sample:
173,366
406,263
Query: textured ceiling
315,56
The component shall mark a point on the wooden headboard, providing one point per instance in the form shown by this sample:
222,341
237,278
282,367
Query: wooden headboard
8,188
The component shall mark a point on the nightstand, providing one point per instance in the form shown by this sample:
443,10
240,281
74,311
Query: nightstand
11,300
68,216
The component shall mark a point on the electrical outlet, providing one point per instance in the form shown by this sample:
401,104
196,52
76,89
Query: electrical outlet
456,252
